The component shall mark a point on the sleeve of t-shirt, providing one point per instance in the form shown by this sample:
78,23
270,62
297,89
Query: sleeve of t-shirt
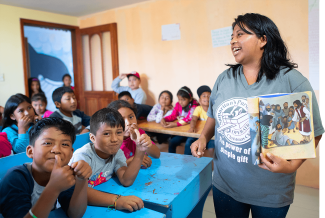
140,97
120,160
301,84
153,113
16,189
197,112
65,197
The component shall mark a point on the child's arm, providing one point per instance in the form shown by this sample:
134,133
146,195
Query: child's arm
61,179
193,124
116,84
102,199
188,118
127,175
174,114
18,141
153,150
78,202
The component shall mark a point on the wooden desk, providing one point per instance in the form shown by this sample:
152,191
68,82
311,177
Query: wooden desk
176,185
180,130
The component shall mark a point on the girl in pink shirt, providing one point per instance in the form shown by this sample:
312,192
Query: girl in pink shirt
128,146
183,112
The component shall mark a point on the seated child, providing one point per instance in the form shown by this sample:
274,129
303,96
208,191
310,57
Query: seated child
163,109
200,113
39,103
34,189
129,147
34,86
142,109
137,93
19,116
105,157
5,146
183,111
66,103
66,79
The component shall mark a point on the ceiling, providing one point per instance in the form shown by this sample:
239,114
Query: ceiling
70,7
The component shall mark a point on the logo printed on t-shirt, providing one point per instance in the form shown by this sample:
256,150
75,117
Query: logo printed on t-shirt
233,120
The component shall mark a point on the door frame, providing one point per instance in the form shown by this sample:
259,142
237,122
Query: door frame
74,42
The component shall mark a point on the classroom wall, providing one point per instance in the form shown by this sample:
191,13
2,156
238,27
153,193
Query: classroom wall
192,61
11,58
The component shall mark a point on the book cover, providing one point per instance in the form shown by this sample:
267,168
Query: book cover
282,124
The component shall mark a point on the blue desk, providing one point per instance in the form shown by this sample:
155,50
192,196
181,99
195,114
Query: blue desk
176,185
104,212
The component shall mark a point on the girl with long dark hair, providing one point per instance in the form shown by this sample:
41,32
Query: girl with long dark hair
19,116
263,67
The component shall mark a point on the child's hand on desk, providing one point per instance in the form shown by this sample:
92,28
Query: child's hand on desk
62,178
198,147
163,122
170,125
146,161
192,130
82,169
130,203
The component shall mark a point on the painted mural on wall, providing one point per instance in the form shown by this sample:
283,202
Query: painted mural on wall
50,54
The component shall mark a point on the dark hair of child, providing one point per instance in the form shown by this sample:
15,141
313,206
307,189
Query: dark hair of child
59,92
30,80
11,105
64,126
186,92
39,96
169,93
116,105
66,75
275,55
106,115
124,93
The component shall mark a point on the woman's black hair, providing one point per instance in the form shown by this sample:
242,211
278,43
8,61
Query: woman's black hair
116,105
185,92
30,80
275,55
11,105
169,93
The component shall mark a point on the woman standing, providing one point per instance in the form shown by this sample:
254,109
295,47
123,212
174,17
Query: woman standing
263,68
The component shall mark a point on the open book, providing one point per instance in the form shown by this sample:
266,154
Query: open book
282,124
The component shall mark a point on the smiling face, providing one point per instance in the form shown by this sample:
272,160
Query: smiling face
246,48
129,118
183,101
204,98
164,99
50,142
134,82
39,107
107,140
68,102
23,109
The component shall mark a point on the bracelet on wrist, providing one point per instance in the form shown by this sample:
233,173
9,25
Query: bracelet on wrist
31,213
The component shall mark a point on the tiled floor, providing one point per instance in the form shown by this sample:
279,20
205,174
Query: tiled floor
305,203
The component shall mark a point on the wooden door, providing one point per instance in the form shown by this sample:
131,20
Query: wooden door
98,62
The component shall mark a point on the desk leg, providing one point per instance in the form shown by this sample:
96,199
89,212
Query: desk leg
198,209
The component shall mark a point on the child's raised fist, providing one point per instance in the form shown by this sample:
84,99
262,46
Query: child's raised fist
81,169
143,141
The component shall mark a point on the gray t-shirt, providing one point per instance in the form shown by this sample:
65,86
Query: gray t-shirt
234,173
102,169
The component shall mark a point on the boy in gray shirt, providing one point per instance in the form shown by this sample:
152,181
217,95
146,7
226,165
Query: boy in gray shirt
104,156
